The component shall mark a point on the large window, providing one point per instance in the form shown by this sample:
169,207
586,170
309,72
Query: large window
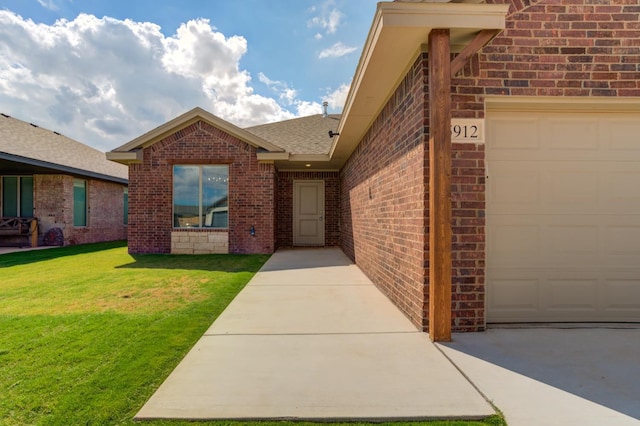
200,196
79,202
17,196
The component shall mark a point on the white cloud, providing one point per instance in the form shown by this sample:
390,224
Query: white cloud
289,96
338,97
328,18
106,81
337,50
48,4
305,108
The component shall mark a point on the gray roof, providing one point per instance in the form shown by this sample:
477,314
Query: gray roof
42,149
305,135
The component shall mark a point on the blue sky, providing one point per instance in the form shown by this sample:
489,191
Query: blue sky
105,71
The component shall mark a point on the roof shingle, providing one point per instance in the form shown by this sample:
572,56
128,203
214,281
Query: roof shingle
19,139
305,135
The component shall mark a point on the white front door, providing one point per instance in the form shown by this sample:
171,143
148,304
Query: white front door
308,213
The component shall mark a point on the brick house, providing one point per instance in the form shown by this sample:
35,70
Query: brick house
485,169
56,182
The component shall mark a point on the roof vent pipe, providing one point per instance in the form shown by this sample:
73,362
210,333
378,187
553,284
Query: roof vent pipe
325,105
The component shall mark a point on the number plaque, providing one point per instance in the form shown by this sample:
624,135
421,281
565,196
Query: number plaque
467,130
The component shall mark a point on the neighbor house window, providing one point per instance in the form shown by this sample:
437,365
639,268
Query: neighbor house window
17,196
126,206
79,202
200,196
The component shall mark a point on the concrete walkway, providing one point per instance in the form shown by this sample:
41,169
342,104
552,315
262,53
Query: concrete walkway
7,250
310,337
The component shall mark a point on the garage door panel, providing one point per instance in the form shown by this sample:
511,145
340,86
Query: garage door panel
570,294
514,294
570,244
549,295
514,186
622,296
622,187
563,217
569,134
515,133
570,186
621,134
514,241
622,243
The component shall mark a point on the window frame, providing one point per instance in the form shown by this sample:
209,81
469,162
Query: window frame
18,195
201,208
86,203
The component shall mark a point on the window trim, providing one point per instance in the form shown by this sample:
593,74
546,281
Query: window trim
200,167
86,203
19,194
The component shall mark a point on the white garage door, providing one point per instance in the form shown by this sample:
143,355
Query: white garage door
563,217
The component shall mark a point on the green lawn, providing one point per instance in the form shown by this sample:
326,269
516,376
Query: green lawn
88,333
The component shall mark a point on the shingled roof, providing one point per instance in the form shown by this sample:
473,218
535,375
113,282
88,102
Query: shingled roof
25,146
305,135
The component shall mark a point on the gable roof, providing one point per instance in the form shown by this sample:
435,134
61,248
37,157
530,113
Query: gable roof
26,147
131,152
303,135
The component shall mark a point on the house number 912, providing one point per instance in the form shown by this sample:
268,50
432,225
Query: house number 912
467,130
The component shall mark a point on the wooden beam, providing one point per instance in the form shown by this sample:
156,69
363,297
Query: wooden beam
33,232
478,43
439,186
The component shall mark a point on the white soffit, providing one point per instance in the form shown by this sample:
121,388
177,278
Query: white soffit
398,32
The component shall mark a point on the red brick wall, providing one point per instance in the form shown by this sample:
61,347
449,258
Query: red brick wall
556,48
383,223
468,240
284,203
251,189
53,206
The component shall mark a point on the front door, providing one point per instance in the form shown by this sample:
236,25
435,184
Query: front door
308,213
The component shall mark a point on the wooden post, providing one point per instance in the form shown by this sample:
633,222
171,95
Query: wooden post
439,186
33,232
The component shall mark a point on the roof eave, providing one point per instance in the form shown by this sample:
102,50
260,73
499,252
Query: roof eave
397,35
272,156
126,158
62,168
188,118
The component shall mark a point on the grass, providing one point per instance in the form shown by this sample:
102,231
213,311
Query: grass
88,333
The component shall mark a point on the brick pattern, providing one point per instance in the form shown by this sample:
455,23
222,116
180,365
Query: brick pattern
383,190
284,203
556,48
251,189
53,206
468,244
199,242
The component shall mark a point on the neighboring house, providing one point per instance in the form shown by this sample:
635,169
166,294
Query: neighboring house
542,221
60,182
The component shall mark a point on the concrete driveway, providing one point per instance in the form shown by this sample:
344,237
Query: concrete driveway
547,376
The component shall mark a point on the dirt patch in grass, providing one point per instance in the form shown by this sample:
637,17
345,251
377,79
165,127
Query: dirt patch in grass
171,294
